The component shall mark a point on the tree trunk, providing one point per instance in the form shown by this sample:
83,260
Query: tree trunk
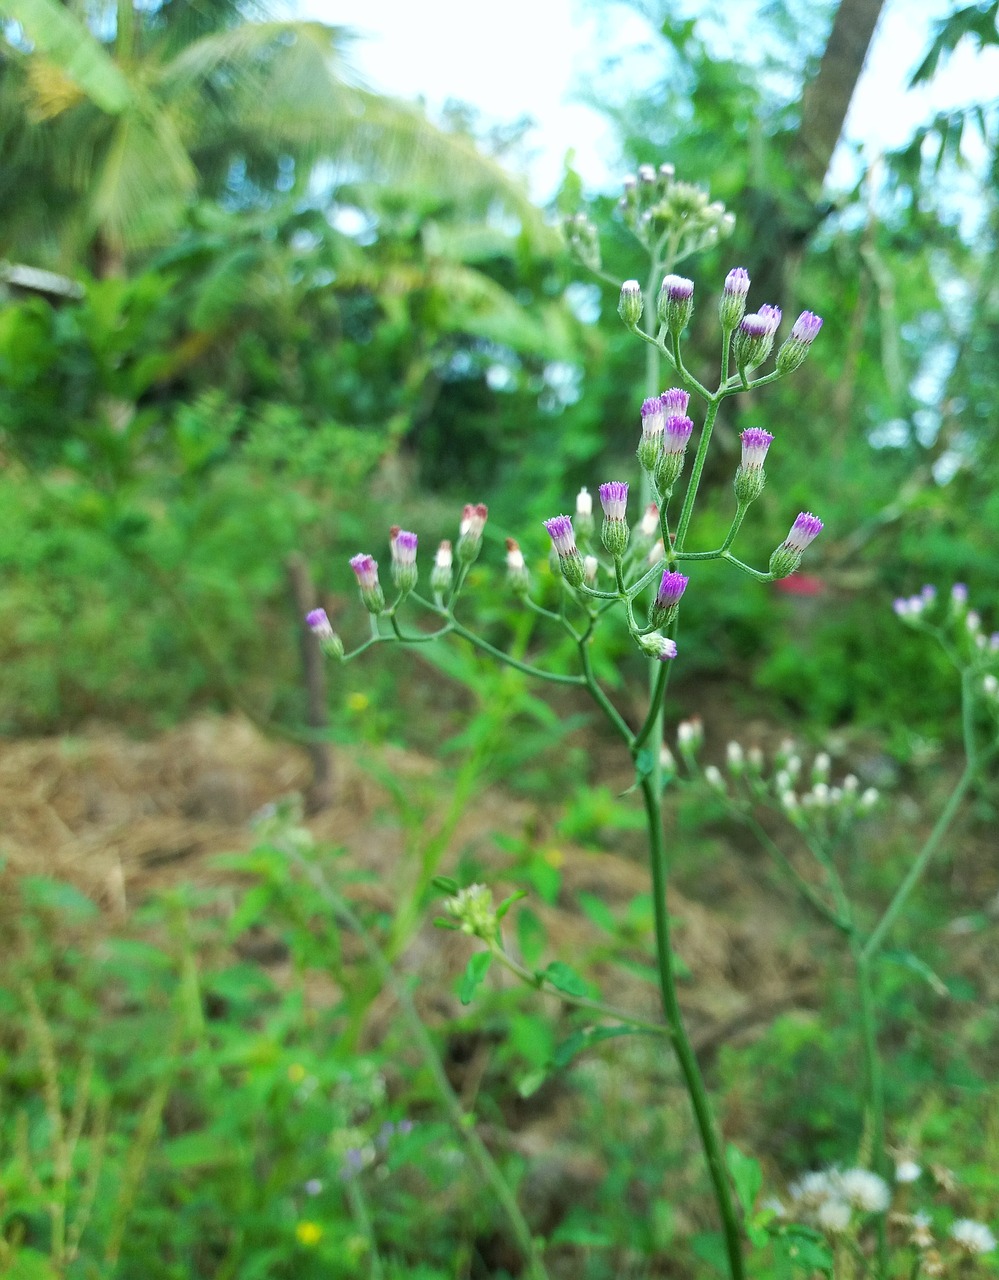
826,99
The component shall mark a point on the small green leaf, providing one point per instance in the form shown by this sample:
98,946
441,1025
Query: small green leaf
597,910
747,1176
445,884
532,1082
475,971
532,937
564,978
586,1038
57,895
645,762
907,960
507,903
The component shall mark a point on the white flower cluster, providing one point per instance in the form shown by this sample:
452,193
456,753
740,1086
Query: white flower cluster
805,796
829,1198
475,911
973,1237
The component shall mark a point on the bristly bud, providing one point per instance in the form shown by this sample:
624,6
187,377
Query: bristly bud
735,758
564,541
516,569
664,607
583,240
584,525
631,304
792,353
650,446
787,557
648,526
690,736
754,339
676,434
319,624
676,304
615,532
403,547
713,777
366,571
442,575
658,646
750,476
473,521
732,307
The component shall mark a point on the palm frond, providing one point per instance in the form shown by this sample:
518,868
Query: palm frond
65,40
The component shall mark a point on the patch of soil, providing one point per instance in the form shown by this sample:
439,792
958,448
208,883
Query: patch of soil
121,819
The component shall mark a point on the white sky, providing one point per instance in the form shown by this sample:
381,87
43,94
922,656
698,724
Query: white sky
528,57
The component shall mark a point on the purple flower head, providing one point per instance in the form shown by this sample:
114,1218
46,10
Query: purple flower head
671,589
313,1187
366,569
901,607
677,288
755,326
772,316
674,401
928,593
805,529
806,327
755,443
676,433
404,547
737,282
560,531
614,499
318,623
994,641
959,593
652,417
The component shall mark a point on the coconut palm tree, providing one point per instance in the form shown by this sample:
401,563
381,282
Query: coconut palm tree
111,126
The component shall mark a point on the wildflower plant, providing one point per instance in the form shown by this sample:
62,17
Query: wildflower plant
644,574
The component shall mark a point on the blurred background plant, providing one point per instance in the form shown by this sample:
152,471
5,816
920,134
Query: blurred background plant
284,308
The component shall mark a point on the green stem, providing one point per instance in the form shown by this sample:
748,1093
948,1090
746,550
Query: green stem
359,1211
689,1069
807,891
599,697
487,1167
915,872
736,525
579,1002
552,677
695,475
659,685
875,1086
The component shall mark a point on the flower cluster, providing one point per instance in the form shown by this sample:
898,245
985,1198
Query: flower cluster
830,1198
806,796
654,204
959,629
474,910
